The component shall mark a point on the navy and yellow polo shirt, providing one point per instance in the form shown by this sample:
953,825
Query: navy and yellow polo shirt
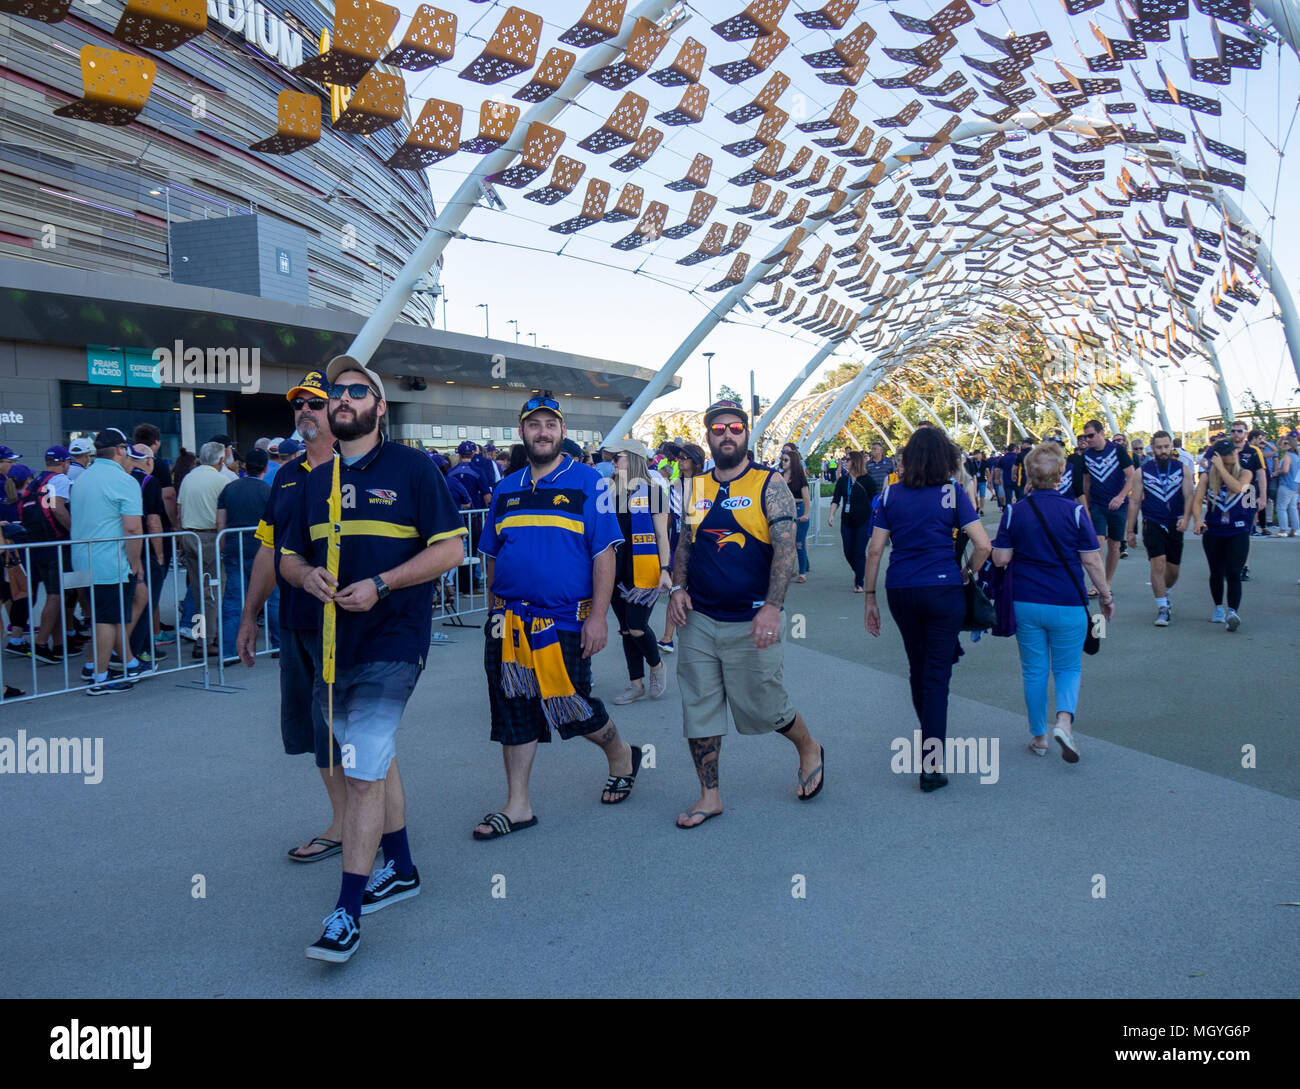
395,505
544,536
298,609
731,546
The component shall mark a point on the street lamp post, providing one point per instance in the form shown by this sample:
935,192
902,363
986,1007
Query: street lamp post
444,311
534,336
708,364
487,329
515,323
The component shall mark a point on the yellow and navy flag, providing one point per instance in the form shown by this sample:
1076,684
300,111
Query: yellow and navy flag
333,552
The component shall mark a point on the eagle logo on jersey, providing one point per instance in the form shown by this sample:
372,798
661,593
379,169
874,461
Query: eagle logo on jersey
385,496
726,537
560,500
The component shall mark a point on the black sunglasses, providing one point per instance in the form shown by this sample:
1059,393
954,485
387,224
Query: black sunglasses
1090,434
355,390
316,403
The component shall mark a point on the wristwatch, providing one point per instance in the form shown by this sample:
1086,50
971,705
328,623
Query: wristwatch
381,586
675,589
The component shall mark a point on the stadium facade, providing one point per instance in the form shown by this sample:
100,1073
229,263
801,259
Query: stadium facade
168,231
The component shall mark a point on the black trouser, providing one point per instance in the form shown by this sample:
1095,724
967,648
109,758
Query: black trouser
929,619
855,540
639,650
1226,557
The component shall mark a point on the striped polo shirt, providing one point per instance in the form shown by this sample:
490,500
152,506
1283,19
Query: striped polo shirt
395,505
544,536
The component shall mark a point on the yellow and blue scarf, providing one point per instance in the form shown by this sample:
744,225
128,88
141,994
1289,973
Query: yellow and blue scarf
532,665
645,548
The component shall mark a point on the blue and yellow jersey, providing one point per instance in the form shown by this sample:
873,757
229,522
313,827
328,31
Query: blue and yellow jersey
298,609
731,550
544,536
395,504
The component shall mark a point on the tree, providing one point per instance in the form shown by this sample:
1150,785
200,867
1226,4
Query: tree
660,434
725,393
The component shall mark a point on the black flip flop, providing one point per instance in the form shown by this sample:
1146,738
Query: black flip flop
622,784
502,825
803,782
700,813
332,847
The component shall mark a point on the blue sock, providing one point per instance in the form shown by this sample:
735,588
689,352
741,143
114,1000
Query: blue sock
397,851
354,884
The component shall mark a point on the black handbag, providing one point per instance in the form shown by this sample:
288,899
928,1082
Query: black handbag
980,613
1091,641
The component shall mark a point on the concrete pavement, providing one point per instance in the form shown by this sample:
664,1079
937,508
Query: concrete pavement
976,890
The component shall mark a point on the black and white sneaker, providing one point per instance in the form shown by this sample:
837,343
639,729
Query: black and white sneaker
387,886
19,649
340,940
48,654
87,674
110,687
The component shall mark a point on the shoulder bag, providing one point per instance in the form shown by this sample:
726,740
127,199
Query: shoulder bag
980,613
1091,642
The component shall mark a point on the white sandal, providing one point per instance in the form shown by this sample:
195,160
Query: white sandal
1039,750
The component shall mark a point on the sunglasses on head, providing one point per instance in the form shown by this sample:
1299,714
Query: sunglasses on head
542,402
355,390
722,429
316,403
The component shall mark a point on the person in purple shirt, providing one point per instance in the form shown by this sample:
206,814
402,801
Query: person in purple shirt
1039,533
1106,489
920,516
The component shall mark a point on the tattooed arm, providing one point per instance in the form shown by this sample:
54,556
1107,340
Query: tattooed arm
679,606
778,503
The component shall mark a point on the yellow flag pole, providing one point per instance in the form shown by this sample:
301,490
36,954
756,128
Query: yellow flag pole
333,549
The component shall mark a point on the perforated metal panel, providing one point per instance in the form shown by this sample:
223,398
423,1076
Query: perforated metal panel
540,145
429,40
832,17
549,77
511,49
690,110
362,29
161,24
600,22
564,177
297,124
687,68
496,121
640,151
764,52
758,20
117,86
377,103
622,127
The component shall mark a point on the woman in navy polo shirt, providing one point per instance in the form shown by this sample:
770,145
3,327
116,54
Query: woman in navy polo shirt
920,515
1051,617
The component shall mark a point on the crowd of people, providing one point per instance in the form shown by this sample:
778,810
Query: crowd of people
347,541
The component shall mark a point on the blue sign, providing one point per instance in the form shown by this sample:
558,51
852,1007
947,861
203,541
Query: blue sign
283,263
105,366
141,368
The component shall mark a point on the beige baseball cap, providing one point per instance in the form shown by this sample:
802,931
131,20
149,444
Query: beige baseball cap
341,363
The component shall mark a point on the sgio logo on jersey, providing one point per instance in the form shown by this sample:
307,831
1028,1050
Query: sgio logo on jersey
739,502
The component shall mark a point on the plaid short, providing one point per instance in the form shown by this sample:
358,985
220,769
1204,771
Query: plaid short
519,720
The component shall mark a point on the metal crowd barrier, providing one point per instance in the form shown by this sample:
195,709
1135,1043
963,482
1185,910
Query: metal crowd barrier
71,560
462,591
243,546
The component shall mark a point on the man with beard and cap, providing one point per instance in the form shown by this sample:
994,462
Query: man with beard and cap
735,558
380,514
302,725
1162,493
549,542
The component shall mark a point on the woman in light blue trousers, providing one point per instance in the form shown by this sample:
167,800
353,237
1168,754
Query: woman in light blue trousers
1050,538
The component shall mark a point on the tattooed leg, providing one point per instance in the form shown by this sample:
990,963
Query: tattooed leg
617,751
705,752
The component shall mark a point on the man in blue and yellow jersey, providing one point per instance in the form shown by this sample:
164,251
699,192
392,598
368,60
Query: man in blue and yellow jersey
373,533
549,541
735,559
302,726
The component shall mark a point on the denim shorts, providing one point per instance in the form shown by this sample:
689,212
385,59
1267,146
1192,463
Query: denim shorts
369,699
1108,524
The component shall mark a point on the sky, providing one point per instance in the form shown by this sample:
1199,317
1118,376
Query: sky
578,294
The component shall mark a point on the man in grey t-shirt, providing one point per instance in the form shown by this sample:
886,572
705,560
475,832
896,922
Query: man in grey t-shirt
879,467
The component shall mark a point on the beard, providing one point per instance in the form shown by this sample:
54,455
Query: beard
308,428
356,425
542,451
728,459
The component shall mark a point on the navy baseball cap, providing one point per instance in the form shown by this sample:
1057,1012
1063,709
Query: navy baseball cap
313,385
255,459
1223,448
289,448
8,455
19,472
466,447
58,453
